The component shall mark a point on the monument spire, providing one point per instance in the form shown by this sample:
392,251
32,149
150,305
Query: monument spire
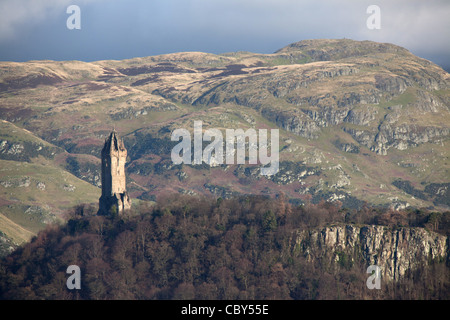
114,197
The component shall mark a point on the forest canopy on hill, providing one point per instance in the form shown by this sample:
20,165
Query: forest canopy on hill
187,247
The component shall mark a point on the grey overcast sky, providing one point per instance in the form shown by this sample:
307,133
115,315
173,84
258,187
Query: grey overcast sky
119,29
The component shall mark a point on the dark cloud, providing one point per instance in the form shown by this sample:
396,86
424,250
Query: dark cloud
36,29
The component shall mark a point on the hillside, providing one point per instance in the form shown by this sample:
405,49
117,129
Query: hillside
189,247
359,122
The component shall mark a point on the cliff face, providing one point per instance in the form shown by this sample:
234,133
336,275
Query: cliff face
394,251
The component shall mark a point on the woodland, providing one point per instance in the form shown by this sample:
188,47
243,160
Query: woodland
192,247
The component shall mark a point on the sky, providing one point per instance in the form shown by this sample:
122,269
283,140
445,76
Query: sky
121,29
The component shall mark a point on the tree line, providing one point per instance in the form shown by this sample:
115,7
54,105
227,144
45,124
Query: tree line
193,247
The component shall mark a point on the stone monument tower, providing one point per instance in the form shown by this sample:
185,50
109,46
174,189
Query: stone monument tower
114,197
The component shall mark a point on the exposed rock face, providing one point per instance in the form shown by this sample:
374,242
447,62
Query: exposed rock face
24,151
294,123
400,137
347,147
336,88
6,245
394,251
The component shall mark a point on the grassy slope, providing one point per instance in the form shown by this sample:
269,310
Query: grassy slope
35,193
14,231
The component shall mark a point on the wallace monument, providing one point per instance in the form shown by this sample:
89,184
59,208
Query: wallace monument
114,197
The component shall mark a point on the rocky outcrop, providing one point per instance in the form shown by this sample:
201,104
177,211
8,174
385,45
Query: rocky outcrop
344,85
297,124
400,136
395,251
347,147
6,245
25,150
